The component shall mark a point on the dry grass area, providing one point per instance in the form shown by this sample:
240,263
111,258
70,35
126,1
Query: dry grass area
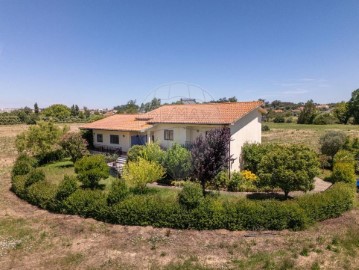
31,238
304,134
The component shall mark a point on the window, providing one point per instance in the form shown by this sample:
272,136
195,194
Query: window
114,139
168,135
99,138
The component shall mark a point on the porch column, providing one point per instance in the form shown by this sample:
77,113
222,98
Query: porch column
148,137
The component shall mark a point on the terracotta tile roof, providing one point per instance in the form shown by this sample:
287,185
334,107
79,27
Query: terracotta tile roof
123,122
207,113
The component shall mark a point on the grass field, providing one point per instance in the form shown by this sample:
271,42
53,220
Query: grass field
303,134
31,238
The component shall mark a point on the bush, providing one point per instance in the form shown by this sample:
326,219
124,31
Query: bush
190,195
279,119
328,204
221,180
23,165
331,142
234,184
134,153
344,167
265,128
36,175
91,169
153,152
87,203
118,192
252,155
324,119
18,185
42,194
177,162
138,173
67,186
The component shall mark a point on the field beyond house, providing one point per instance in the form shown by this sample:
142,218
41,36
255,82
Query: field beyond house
31,238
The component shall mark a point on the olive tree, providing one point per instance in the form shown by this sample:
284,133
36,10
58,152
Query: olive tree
331,142
74,145
289,168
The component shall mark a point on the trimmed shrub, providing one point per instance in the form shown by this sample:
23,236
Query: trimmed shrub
67,186
87,203
36,175
118,192
235,182
18,185
344,167
265,128
190,195
279,119
42,194
91,169
138,173
221,180
23,165
331,142
328,204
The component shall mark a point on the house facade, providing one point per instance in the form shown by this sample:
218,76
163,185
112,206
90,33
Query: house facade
181,124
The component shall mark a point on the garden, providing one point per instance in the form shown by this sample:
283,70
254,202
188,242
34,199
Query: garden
55,171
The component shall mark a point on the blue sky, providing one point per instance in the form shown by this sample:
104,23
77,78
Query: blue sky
103,53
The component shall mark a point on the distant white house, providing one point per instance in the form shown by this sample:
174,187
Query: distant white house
181,124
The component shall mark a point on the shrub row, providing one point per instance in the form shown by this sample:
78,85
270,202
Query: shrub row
9,120
210,213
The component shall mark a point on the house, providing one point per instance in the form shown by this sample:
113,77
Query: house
181,124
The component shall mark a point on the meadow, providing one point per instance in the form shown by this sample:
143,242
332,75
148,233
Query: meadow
31,238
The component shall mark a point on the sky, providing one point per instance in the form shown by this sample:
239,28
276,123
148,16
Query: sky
101,53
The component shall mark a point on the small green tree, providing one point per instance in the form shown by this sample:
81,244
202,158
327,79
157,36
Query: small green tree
67,186
341,112
331,142
134,153
290,168
178,162
190,195
138,173
308,113
40,140
74,145
118,192
91,169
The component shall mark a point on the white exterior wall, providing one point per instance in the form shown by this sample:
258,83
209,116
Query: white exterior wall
124,139
182,133
247,129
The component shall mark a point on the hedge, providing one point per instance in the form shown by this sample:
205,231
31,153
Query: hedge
211,213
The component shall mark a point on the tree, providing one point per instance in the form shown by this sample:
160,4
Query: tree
57,111
341,112
353,106
177,162
210,155
308,114
130,108
138,173
91,169
289,168
331,142
36,108
149,106
74,145
41,139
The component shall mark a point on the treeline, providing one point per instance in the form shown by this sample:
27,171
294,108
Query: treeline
56,113
131,107
345,112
